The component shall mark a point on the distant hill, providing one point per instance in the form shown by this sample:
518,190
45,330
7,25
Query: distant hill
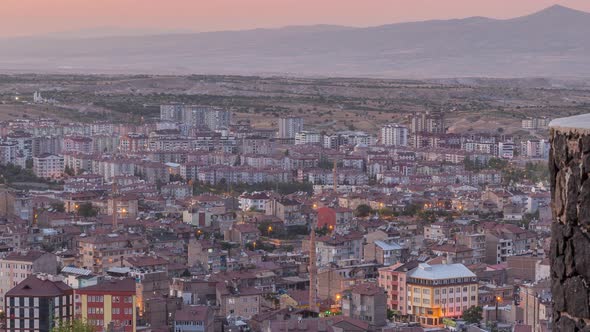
552,42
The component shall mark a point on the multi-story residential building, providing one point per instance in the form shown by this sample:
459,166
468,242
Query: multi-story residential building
24,142
440,291
307,137
350,138
47,144
78,144
394,135
288,210
290,126
8,152
17,266
393,280
194,319
206,254
133,142
339,247
109,305
253,201
48,166
171,112
535,123
537,148
336,278
100,252
38,303
504,240
475,241
366,302
237,301
387,253
206,117
428,122
505,150
454,253
217,119
256,145
438,231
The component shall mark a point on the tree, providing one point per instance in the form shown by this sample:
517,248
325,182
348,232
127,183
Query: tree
58,206
69,171
363,210
87,210
473,315
76,325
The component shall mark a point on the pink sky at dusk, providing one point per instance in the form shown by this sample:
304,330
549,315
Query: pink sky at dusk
28,17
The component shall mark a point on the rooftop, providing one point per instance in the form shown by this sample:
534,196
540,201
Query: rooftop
33,286
440,271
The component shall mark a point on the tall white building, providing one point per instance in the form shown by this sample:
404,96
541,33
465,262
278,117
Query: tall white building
290,126
207,117
48,166
306,137
394,135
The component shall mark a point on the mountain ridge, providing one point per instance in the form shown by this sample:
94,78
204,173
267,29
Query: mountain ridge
550,42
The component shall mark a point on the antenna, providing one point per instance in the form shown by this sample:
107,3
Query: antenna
335,175
114,204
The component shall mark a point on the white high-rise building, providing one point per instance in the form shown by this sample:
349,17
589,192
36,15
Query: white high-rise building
394,135
290,126
48,166
307,137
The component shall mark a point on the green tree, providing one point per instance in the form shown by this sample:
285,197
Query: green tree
69,171
87,210
76,325
363,210
58,206
473,315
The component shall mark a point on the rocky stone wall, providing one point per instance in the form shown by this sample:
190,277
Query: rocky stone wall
569,164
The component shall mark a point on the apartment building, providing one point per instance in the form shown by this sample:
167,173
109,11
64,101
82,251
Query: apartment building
440,291
18,266
194,319
101,252
38,303
109,305
366,302
48,166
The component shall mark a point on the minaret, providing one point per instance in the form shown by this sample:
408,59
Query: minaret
115,222
335,175
313,273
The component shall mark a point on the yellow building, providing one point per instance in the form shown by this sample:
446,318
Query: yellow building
440,291
108,305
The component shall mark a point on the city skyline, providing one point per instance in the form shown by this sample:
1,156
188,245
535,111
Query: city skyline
33,17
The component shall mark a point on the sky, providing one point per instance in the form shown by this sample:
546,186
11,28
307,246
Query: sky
39,17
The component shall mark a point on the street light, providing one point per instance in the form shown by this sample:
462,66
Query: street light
498,300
